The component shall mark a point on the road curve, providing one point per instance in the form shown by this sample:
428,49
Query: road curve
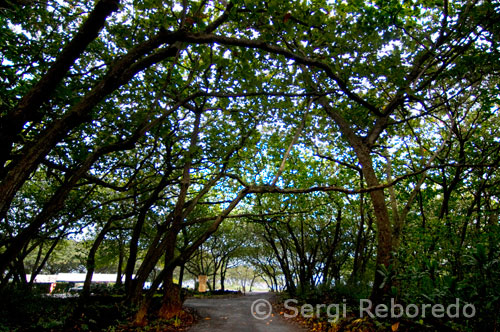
236,314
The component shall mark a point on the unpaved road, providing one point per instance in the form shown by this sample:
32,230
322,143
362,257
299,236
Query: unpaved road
235,314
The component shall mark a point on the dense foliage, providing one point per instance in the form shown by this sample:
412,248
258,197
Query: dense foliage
345,145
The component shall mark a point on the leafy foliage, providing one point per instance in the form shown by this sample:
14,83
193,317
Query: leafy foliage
359,140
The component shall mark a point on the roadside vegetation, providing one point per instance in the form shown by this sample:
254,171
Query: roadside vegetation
327,149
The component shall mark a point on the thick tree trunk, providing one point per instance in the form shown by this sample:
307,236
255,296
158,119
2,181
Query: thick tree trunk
171,302
151,259
384,241
362,148
171,298
141,315
28,108
31,155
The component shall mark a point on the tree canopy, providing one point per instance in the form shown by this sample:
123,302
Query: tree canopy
359,139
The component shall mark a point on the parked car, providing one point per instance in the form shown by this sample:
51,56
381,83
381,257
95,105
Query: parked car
76,289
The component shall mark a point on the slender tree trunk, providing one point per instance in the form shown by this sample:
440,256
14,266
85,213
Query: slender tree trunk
282,260
359,239
36,271
132,255
331,251
223,271
181,274
141,219
252,282
91,259
121,257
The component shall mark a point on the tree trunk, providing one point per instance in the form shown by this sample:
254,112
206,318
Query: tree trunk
223,271
171,303
181,274
91,259
252,282
121,257
359,241
133,247
141,219
28,108
326,271
38,269
282,260
362,148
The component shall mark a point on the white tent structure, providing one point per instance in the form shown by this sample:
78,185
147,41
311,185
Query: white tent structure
74,277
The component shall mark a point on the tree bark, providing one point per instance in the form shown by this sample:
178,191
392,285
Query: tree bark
362,149
91,259
331,251
28,107
121,257
171,301
359,236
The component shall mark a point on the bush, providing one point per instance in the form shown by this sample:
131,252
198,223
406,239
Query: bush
22,309
477,282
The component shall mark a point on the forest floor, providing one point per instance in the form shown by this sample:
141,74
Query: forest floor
249,312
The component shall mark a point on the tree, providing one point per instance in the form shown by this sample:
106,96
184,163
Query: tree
155,107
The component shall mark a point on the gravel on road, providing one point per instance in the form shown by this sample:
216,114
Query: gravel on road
247,313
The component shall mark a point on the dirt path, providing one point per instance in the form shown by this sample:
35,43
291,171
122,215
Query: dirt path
249,313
